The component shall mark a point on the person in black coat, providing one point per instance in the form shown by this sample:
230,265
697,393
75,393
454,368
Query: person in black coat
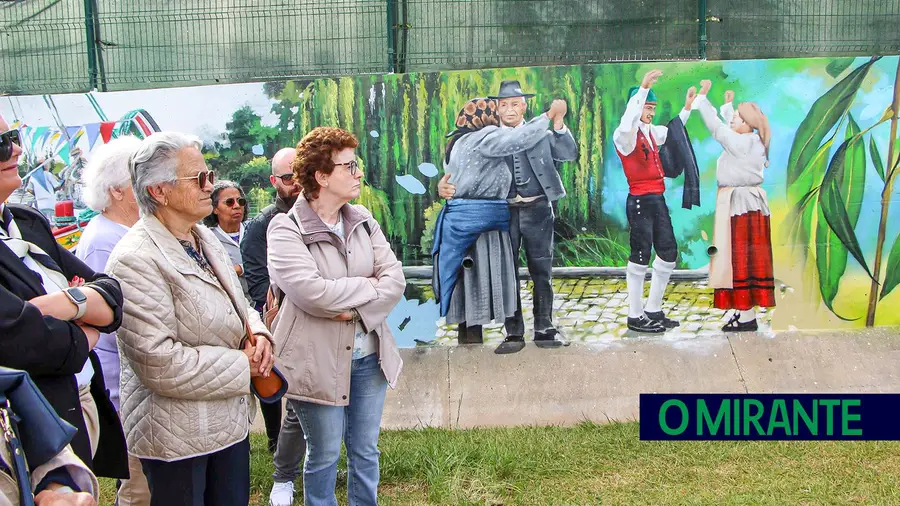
48,330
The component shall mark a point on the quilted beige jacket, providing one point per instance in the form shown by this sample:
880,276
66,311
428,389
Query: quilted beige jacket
185,383
323,276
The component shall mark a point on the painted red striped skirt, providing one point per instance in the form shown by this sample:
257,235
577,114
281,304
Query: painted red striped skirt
751,261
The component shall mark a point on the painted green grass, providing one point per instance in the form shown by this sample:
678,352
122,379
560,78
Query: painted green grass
593,464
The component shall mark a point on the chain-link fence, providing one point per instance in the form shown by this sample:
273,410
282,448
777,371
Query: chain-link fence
54,46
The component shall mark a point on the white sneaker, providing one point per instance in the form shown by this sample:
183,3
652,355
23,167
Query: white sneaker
282,494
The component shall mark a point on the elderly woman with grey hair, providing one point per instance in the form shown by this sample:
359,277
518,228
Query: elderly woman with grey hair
186,358
227,222
107,190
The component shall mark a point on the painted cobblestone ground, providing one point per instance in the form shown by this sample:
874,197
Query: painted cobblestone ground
594,310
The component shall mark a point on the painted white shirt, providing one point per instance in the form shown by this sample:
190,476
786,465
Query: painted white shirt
743,160
363,344
625,135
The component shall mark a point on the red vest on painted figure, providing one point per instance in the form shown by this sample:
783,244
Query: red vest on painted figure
643,168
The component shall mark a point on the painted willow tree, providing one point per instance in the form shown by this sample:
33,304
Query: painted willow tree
401,121
826,194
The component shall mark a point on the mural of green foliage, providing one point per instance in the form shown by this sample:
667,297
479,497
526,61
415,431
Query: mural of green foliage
825,196
402,121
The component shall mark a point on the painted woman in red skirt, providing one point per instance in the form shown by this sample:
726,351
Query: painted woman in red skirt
740,268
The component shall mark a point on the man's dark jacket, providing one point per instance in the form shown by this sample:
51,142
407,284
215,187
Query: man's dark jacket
677,157
254,248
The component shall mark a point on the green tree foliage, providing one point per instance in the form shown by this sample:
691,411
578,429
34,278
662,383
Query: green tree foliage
232,157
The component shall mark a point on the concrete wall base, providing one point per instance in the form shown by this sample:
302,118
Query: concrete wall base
470,386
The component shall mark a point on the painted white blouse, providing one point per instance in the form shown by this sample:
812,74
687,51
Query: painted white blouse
742,164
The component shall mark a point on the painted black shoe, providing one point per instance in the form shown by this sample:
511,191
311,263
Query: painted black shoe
511,344
661,318
735,325
550,338
646,325
469,335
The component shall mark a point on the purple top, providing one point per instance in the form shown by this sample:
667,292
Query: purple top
96,244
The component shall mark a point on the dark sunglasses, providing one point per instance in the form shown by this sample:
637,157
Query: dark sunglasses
230,202
7,139
352,166
202,178
286,178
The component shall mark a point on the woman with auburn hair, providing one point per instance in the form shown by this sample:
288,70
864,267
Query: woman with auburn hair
740,268
340,281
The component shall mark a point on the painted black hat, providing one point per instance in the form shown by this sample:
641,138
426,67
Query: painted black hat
510,89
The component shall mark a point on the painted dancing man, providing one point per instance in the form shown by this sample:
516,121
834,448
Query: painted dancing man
637,141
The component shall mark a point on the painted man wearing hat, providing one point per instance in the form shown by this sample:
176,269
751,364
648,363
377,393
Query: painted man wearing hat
638,142
536,186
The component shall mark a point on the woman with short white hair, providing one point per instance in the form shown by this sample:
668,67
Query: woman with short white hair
186,358
107,190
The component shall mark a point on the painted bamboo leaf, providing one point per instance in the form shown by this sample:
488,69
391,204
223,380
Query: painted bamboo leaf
846,172
838,66
876,157
806,206
840,200
893,269
822,116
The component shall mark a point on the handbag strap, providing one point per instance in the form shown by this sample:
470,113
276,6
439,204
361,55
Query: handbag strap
9,428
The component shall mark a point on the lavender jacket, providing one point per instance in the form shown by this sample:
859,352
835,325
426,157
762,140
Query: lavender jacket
96,243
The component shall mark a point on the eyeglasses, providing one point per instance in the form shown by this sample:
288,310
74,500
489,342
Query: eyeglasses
286,178
352,166
7,139
230,202
202,178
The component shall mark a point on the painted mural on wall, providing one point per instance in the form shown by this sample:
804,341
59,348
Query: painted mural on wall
769,205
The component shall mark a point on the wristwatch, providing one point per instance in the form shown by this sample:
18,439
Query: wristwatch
79,299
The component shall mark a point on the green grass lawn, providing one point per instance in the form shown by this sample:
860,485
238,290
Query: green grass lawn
607,464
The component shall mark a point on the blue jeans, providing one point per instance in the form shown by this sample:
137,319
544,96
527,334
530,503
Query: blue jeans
358,424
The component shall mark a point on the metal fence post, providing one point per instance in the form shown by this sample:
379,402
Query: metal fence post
398,30
91,42
392,36
701,28
95,56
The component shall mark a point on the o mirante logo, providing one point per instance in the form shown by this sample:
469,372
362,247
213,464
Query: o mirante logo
769,416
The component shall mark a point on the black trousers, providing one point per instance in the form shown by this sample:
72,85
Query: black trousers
272,417
531,227
218,479
651,228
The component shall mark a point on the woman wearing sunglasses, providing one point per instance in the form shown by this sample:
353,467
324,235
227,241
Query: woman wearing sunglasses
227,221
53,308
185,357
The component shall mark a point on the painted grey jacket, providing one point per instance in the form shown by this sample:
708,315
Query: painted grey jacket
545,157
478,165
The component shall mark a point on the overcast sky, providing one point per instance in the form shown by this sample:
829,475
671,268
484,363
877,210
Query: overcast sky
201,110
